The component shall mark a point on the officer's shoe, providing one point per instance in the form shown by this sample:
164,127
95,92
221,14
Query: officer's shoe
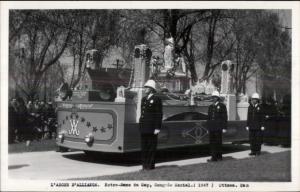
147,168
144,169
252,154
212,160
152,167
257,153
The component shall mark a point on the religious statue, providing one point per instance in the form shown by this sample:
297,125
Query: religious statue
169,54
180,65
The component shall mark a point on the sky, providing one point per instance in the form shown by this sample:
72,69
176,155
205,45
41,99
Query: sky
285,17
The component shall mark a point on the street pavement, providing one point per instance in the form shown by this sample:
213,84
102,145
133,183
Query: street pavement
52,165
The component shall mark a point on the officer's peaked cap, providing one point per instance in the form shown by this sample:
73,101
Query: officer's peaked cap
150,83
255,96
216,94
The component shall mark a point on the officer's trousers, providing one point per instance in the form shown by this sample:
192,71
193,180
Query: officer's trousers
256,138
148,144
215,141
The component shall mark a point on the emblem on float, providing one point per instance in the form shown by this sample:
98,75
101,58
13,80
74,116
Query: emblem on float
74,122
197,133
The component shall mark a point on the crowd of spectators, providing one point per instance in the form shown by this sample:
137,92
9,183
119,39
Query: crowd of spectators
277,121
35,120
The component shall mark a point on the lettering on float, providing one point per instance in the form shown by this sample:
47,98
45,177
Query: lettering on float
84,106
79,106
67,105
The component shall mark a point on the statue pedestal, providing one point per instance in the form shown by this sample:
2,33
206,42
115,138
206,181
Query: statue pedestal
242,107
230,101
120,94
242,110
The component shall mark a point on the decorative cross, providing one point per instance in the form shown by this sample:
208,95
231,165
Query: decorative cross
118,64
197,133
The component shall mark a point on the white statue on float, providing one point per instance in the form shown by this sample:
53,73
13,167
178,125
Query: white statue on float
169,54
199,88
174,64
205,86
120,94
180,65
210,88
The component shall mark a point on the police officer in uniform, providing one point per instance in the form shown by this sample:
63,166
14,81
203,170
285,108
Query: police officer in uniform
217,123
255,125
150,124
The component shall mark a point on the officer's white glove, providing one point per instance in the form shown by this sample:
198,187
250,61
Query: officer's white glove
262,128
247,128
224,130
156,131
267,116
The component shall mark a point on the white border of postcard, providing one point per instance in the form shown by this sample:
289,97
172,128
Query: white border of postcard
44,185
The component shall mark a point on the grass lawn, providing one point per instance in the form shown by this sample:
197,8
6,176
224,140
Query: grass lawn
267,167
43,145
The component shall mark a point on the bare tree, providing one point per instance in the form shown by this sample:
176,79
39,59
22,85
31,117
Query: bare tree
246,32
39,45
274,55
177,23
251,39
80,42
93,29
17,20
259,45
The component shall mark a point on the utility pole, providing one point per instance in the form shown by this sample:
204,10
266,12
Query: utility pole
45,86
256,81
118,64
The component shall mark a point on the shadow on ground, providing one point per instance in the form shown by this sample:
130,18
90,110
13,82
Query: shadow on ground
17,166
264,168
165,155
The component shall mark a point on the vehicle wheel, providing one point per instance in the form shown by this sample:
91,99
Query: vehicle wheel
91,153
62,149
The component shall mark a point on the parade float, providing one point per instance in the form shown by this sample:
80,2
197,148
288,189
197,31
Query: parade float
101,114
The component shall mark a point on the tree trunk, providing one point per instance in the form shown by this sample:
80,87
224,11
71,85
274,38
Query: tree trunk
210,46
173,23
166,22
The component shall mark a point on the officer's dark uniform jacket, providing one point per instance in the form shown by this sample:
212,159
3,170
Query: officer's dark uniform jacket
217,117
151,114
255,117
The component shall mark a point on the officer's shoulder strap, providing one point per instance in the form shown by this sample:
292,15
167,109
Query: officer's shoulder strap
256,106
261,106
221,104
